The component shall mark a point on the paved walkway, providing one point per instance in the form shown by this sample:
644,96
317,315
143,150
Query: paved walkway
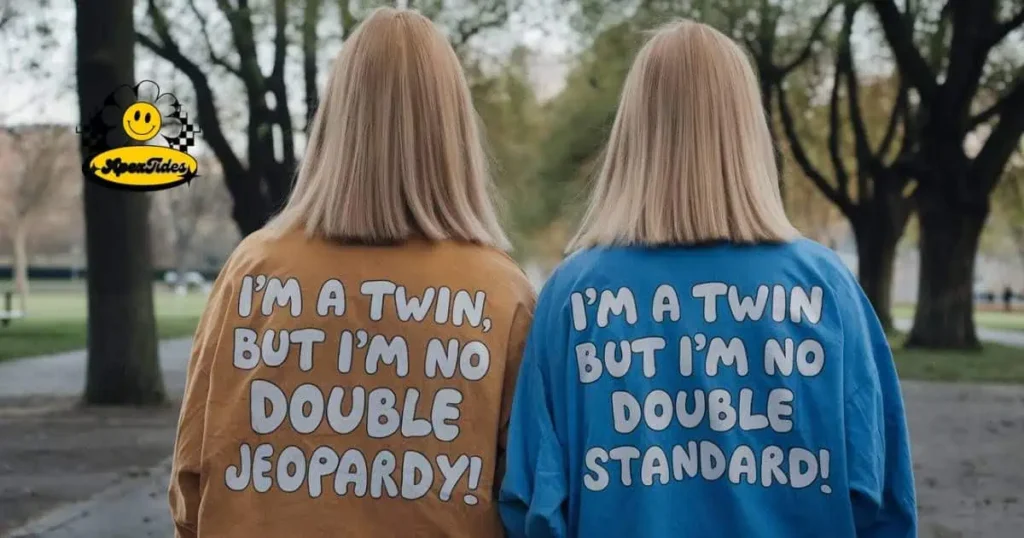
965,490
71,460
63,374
996,336
134,507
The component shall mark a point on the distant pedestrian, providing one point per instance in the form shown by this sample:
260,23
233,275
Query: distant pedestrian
1008,299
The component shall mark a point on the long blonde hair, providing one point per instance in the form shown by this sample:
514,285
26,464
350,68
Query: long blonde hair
690,159
395,149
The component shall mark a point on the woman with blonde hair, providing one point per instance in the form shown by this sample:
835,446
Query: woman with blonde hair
695,368
352,373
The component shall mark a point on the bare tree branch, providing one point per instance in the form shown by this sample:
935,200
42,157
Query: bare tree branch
248,200
40,163
7,13
900,36
835,136
805,54
348,21
495,15
214,58
277,85
900,111
766,30
240,21
966,59
185,213
1004,28
867,164
310,19
839,198
168,49
985,115
1003,141
41,151
280,38
999,108
430,9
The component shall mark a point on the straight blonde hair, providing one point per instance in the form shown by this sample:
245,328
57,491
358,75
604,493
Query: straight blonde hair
395,150
690,159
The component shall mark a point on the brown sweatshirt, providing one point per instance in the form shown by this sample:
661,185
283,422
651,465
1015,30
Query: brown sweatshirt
338,391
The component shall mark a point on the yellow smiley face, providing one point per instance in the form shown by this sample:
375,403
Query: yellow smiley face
141,121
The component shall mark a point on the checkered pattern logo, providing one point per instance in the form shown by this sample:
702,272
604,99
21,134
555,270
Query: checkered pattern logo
105,131
187,137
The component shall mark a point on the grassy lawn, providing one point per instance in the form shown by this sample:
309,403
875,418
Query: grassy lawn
992,319
994,364
57,314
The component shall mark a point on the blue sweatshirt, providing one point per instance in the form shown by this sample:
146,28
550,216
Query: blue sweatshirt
719,391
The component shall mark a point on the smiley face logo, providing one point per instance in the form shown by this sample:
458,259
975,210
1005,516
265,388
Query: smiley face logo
121,148
141,121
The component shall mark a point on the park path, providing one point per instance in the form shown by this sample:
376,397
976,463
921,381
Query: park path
63,374
965,489
135,507
54,452
995,336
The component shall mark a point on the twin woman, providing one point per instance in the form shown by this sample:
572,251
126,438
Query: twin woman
373,364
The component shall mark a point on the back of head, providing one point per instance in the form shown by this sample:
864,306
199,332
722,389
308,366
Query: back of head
690,158
394,150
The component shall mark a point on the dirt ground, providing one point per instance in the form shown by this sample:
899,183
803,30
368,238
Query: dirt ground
54,452
968,443
968,449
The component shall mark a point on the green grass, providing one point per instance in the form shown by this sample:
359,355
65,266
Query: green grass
57,311
993,364
992,319
56,319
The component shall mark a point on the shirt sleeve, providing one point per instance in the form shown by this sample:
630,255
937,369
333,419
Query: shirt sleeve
877,443
516,344
534,489
185,488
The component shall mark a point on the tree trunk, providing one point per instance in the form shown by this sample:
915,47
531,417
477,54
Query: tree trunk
945,300
21,265
876,261
250,209
123,366
878,224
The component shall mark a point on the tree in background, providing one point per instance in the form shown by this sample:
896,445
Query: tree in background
780,36
7,12
578,121
259,178
1009,203
27,41
123,367
513,123
866,182
38,162
947,59
186,214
